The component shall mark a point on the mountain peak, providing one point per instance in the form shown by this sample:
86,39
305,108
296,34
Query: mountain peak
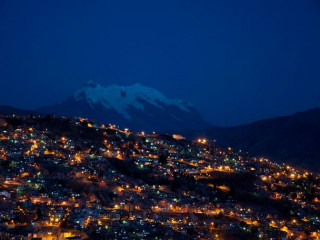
122,98
136,106
92,84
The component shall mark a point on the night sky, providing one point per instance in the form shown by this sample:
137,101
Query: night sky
236,61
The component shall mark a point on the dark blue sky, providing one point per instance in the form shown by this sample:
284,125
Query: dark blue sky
236,61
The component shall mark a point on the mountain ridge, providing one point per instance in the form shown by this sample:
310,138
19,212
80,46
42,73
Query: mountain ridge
293,138
9,110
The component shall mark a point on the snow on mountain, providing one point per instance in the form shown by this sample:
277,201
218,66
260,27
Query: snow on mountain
120,98
136,106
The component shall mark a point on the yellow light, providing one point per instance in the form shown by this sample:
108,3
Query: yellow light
263,178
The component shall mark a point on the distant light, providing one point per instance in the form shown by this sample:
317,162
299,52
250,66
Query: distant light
202,140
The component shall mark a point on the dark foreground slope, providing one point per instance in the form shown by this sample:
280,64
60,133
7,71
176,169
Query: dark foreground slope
68,176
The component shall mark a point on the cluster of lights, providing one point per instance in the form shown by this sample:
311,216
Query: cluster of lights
202,140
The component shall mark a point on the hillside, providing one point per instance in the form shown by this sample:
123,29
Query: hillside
292,139
86,180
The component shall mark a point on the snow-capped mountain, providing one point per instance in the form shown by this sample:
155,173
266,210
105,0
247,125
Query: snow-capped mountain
137,107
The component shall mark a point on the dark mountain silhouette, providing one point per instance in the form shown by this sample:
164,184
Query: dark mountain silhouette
8,110
292,139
